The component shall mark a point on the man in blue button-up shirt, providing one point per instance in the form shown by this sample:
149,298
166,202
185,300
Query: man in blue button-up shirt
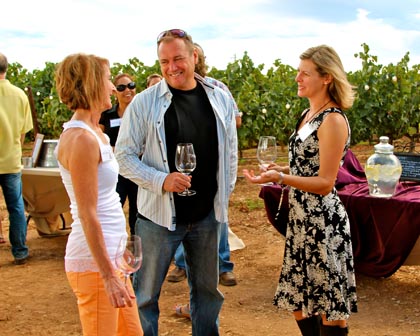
181,108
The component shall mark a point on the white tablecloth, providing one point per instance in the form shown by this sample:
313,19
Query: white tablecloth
46,200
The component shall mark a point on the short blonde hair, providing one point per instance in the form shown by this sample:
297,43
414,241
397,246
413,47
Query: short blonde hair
80,81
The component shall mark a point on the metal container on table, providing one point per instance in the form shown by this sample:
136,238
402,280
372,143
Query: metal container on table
47,158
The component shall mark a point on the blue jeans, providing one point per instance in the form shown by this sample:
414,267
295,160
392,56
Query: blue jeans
159,245
225,265
12,192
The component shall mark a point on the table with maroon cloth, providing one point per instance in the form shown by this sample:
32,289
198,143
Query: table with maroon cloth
385,231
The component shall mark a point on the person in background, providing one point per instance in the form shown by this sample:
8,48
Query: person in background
110,123
181,108
153,79
16,121
89,172
226,275
317,278
201,68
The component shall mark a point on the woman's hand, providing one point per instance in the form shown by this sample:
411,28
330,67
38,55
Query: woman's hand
271,166
265,177
118,293
276,167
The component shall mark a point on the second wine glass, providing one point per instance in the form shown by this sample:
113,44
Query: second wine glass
185,163
267,151
129,255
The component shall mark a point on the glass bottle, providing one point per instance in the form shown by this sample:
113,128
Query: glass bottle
383,170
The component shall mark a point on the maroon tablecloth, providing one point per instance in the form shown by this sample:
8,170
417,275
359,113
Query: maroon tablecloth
384,230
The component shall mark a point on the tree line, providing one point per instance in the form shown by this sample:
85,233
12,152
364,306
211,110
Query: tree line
387,97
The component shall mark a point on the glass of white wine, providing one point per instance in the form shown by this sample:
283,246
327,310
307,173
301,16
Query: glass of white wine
185,163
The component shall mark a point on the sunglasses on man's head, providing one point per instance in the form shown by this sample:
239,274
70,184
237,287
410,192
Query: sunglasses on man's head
122,87
172,32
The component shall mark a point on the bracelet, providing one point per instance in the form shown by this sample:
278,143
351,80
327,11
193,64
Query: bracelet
281,178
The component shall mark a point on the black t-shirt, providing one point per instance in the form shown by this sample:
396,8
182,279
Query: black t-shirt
190,118
111,121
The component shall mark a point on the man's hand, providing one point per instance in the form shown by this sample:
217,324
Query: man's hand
176,182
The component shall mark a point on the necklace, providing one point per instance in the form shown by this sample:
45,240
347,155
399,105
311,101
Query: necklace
307,118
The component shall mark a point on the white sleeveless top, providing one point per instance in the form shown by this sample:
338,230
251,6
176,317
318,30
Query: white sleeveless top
78,257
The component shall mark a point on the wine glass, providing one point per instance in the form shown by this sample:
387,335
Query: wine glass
129,255
185,162
266,151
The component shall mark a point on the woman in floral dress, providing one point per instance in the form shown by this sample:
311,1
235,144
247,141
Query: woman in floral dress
317,280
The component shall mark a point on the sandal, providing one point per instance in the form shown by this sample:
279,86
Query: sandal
183,310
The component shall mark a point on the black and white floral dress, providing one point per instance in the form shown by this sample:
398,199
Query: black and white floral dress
318,270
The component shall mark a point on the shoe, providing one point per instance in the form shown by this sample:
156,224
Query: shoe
310,325
177,274
334,330
227,279
183,310
21,261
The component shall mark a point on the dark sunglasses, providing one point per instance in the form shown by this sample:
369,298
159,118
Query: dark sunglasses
122,87
172,32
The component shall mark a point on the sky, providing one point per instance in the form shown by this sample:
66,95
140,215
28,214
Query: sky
35,32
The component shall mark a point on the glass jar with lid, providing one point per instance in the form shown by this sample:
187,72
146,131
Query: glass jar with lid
383,170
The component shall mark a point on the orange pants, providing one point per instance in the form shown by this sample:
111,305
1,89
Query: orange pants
97,315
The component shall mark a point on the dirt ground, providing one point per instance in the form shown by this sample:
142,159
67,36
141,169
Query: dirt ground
35,299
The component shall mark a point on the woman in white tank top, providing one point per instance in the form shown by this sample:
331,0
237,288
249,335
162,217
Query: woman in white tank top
89,172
